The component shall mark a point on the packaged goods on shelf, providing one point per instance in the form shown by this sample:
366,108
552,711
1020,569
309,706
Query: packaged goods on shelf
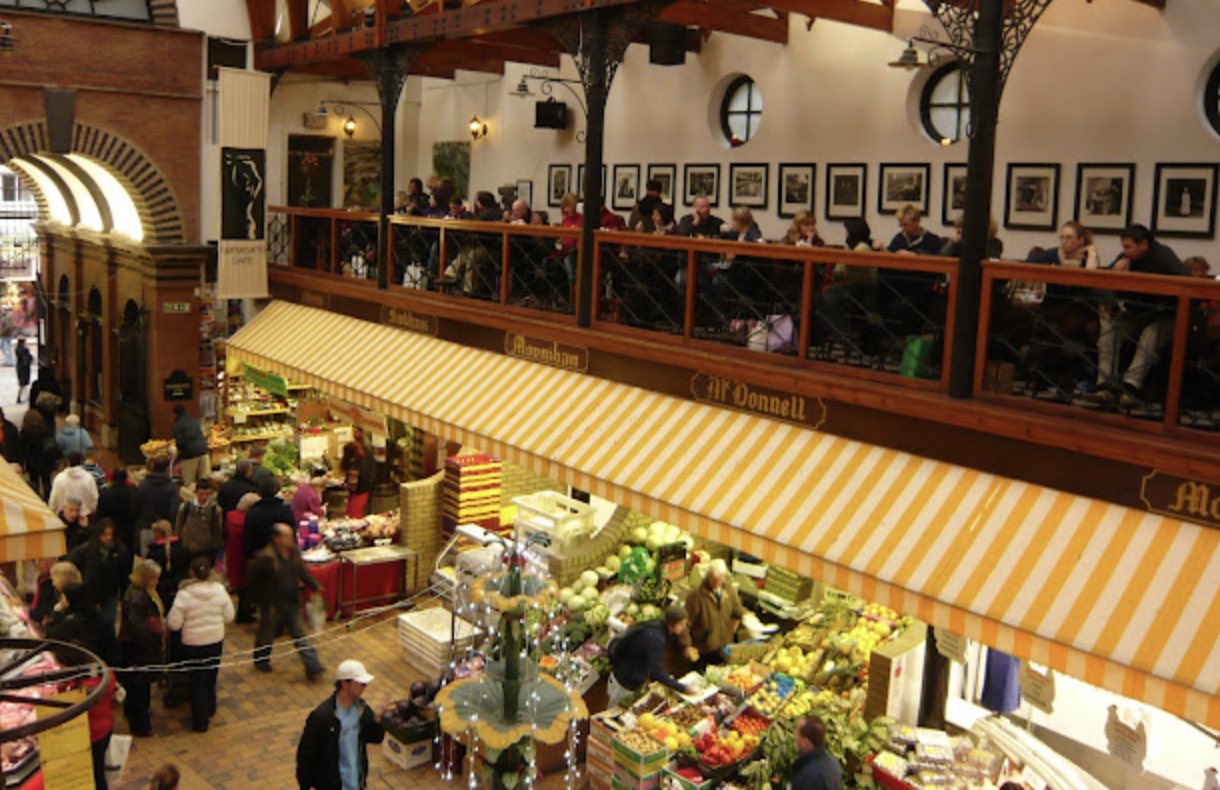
472,490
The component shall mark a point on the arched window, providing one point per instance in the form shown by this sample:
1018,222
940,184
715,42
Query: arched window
741,111
944,107
1211,99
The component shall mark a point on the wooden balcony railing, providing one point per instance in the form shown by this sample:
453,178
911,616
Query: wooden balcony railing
1137,350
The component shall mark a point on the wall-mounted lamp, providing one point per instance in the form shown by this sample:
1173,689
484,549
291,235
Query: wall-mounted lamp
478,129
7,42
941,51
349,126
909,59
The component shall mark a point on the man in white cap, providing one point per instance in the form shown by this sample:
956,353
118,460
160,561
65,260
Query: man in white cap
332,753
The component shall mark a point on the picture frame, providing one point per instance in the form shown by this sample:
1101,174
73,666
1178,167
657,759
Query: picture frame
626,192
953,194
794,188
901,185
1105,194
668,176
525,190
1031,196
701,179
579,187
748,185
846,186
1184,200
559,183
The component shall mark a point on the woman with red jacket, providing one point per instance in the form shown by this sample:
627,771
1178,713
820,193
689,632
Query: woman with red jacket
235,557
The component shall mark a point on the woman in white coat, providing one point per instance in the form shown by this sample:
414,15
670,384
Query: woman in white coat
200,611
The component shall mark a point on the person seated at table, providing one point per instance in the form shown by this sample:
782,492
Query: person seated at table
907,299
859,235
486,208
569,217
1127,315
701,222
641,214
663,220
457,209
540,217
416,199
911,237
438,202
952,247
608,220
520,213
741,226
804,231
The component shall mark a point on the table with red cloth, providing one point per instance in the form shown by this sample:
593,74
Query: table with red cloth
363,578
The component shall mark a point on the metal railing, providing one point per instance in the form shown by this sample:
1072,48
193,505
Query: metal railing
1142,350
341,243
874,314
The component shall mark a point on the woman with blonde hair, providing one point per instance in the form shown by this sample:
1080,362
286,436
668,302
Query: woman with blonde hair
49,597
142,643
804,231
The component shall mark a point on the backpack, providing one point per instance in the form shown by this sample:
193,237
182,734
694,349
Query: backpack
196,526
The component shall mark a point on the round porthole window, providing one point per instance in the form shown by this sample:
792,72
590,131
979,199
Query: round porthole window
944,106
741,111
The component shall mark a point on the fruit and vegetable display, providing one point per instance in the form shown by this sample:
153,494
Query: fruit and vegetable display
771,698
159,448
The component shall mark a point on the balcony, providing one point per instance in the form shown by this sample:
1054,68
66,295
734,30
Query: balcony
863,335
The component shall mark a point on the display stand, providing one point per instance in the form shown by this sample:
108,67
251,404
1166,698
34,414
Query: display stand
353,562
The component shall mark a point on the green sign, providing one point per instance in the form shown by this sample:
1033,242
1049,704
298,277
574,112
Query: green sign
272,382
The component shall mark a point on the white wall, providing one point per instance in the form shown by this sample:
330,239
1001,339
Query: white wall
223,18
1107,81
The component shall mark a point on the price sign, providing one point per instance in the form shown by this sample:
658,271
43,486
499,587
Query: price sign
951,646
1037,688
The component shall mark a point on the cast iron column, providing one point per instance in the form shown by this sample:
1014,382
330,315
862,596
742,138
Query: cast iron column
596,89
389,68
976,219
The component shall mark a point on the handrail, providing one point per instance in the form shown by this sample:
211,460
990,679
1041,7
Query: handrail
1105,279
477,226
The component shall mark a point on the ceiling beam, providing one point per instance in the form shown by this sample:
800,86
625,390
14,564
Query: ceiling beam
852,12
710,16
480,48
262,19
298,19
341,13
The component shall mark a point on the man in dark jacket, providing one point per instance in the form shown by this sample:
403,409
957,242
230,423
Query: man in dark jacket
117,502
332,753
156,498
104,563
263,516
815,768
192,447
638,656
236,487
10,441
274,578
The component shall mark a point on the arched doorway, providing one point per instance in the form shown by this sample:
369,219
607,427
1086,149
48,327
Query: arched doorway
133,383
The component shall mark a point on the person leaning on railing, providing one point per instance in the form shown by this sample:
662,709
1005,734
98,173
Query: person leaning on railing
1126,315
1062,318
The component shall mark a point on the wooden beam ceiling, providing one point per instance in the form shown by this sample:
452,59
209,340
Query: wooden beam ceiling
262,19
717,17
862,13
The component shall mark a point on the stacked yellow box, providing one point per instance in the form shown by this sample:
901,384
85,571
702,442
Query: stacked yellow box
472,491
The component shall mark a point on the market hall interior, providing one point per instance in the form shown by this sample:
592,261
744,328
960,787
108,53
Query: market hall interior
903,310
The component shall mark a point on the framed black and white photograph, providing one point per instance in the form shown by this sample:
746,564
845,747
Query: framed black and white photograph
1104,195
1032,197
903,185
559,183
580,181
846,185
666,175
626,186
1184,200
525,190
795,188
701,180
748,185
953,198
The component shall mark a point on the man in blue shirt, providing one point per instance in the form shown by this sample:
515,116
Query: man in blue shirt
332,753
815,768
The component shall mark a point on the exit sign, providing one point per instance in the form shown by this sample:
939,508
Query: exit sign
176,307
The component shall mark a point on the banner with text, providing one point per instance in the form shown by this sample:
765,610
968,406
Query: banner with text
243,117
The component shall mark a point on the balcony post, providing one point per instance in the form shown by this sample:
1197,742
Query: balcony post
389,67
976,220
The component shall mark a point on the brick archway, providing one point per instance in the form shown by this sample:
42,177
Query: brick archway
149,189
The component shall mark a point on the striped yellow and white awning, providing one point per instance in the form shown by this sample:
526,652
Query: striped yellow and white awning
1120,598
28,528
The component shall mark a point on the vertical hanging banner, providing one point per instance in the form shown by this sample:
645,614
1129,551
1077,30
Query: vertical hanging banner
243,114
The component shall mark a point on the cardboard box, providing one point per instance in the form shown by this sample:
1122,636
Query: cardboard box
671,778
625,780
407,755
639,765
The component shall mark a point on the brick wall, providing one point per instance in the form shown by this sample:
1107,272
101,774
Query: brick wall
420,521
143,85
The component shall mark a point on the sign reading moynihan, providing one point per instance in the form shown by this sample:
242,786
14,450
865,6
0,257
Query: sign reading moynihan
779,405
1181,497
546,352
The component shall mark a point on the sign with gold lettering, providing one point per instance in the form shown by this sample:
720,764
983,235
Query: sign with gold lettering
370,421
546,352
315,299
779,405
1181,497
422,323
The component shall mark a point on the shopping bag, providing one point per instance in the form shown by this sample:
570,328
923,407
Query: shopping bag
116,758
416,277
781,334
916,355
315,613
